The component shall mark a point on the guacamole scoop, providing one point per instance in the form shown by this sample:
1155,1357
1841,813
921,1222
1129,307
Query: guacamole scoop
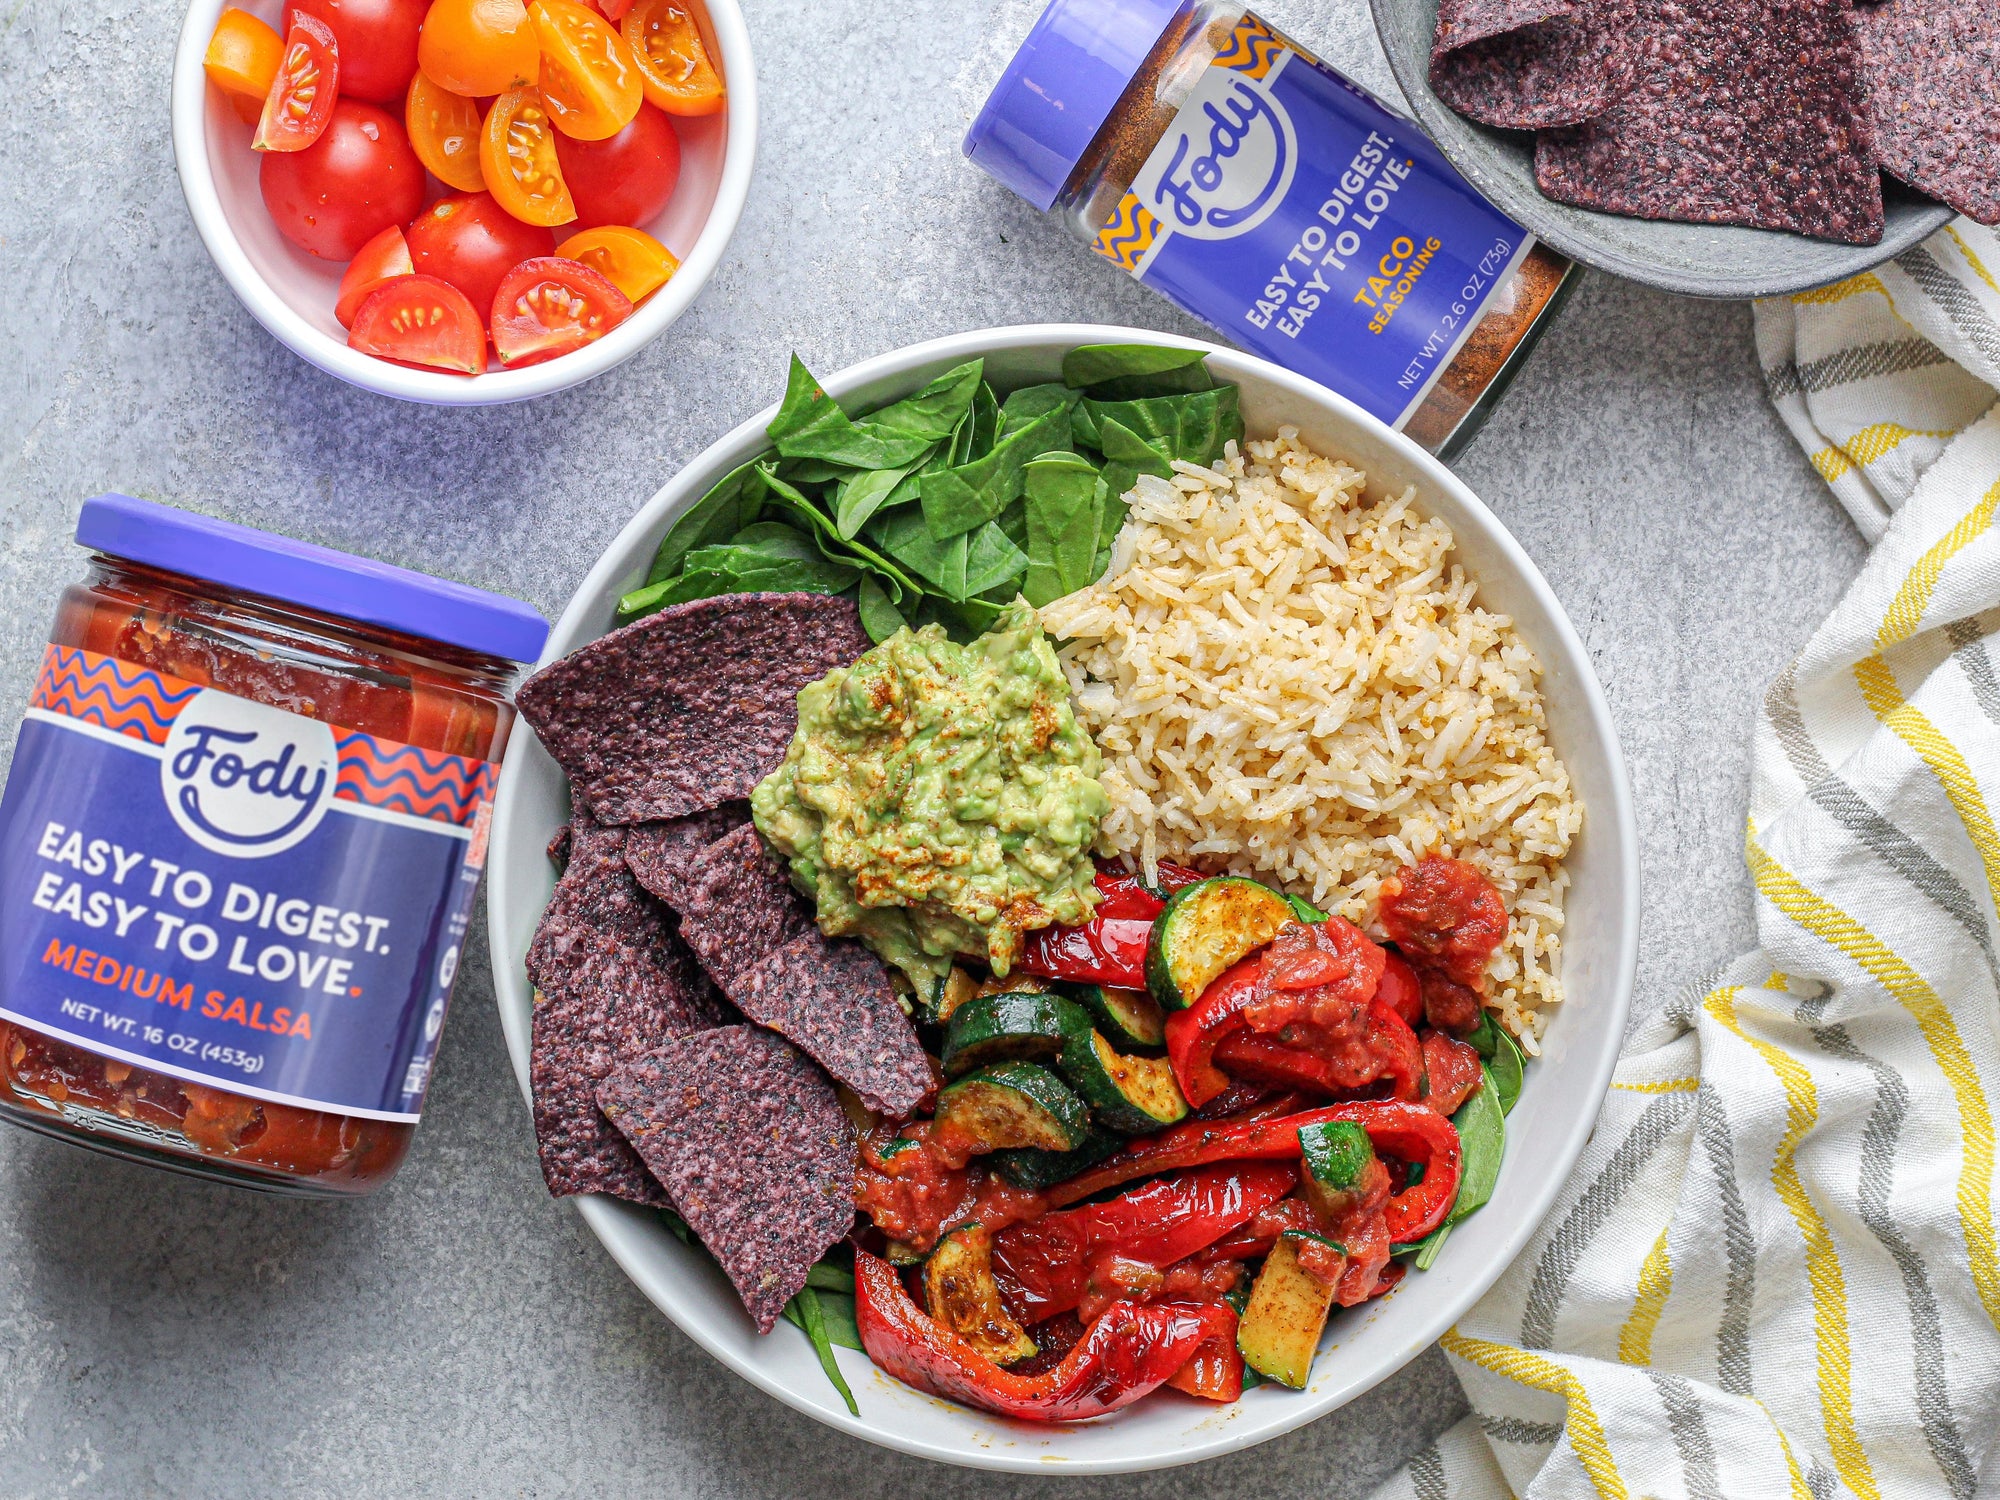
940,799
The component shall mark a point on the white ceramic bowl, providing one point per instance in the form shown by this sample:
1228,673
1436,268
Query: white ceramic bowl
292,293
1545,1133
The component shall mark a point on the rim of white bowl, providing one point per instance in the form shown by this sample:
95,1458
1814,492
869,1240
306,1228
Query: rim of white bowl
496,387
614,1223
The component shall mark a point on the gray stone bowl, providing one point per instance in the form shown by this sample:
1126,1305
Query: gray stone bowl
1703,260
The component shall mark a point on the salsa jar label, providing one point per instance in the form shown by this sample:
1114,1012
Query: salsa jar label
1294,213
232,893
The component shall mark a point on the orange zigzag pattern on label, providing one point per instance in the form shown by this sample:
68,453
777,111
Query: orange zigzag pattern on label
112,694
1129,235
405,779
1252,49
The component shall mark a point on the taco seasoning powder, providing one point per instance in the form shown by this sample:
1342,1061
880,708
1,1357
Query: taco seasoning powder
1213,158
239,845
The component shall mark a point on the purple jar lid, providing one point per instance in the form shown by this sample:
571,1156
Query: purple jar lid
1059,89
318,578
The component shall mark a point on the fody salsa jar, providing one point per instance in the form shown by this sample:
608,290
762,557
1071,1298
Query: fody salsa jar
1202,151
239,845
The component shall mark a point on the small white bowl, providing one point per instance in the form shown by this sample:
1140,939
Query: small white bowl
1545,1134
292,293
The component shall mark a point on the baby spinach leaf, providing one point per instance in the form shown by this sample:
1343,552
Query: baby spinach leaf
809,1312
991,559
1482,1136
804,471
1032,401
935,411
966,497
1064,501
879,617
869,490
1509,1068
811,425
830,542
1192,427
732,503
904,536
1094,364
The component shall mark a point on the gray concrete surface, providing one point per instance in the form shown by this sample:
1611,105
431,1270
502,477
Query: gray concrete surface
460,1334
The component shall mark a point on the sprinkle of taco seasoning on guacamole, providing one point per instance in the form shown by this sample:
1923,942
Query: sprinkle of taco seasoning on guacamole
940,799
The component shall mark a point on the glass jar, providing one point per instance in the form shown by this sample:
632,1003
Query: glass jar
239,845
1208,155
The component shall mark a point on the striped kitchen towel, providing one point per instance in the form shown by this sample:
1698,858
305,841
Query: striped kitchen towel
1775,1272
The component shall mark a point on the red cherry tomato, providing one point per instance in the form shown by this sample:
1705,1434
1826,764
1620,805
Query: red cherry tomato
470,241
378,43
304,90
626,178
382,259
546,307
420,320
348,186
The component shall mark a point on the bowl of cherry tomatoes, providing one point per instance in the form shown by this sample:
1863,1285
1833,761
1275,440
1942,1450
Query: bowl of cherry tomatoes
465,202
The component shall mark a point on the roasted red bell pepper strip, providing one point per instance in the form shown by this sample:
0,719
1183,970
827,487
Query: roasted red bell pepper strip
1111,947
1044,1265
1409,1132
1399,991
1214,1371
1193,1034
1130,1350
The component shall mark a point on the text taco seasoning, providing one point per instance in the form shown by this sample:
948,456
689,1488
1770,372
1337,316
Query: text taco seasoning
1230,170
239,845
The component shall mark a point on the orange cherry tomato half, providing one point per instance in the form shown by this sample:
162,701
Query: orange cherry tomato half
444,131
420,320
479,47
589,79
673,62
304,89
549,306
517,159
630,259
242,59
376,263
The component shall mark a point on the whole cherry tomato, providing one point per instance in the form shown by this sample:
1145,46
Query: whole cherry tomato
377,40
352,183
626,179
472,242
419,320
551,306
480,47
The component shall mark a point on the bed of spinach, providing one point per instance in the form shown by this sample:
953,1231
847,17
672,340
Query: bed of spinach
947,504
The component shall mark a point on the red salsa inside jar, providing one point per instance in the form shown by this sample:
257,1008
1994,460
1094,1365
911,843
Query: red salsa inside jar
239,845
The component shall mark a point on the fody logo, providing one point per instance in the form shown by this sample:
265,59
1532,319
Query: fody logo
246,779
1225,163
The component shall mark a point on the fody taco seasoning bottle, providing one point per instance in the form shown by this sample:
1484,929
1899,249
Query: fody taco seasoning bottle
1198,148
239,845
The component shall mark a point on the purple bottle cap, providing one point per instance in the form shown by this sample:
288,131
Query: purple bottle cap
318,578
1060,88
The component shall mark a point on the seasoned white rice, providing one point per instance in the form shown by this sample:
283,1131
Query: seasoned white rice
1289,681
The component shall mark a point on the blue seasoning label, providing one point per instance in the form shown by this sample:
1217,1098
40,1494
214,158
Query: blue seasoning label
232,894
1308,224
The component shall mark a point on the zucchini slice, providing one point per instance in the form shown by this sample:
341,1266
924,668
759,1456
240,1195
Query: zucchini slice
950,992
1206,927
1131,1020
1013,984
1335,1155
1133,1095
1278,1334
960,1293
1036,1170
997,1028
1014,1104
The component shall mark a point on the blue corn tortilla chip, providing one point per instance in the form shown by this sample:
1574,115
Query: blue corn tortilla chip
738,905
1933,73
1531,64
613,980
662,853
1743,112
749,1138
688,708
833,998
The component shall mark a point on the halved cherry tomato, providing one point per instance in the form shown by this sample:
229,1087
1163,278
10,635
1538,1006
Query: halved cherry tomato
479,47
420,320
517,159
472,242
377,41
242,59
444,131
626,179
673,62
589,80
303,90
613,10
381,260
356,180
549,306
630,259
